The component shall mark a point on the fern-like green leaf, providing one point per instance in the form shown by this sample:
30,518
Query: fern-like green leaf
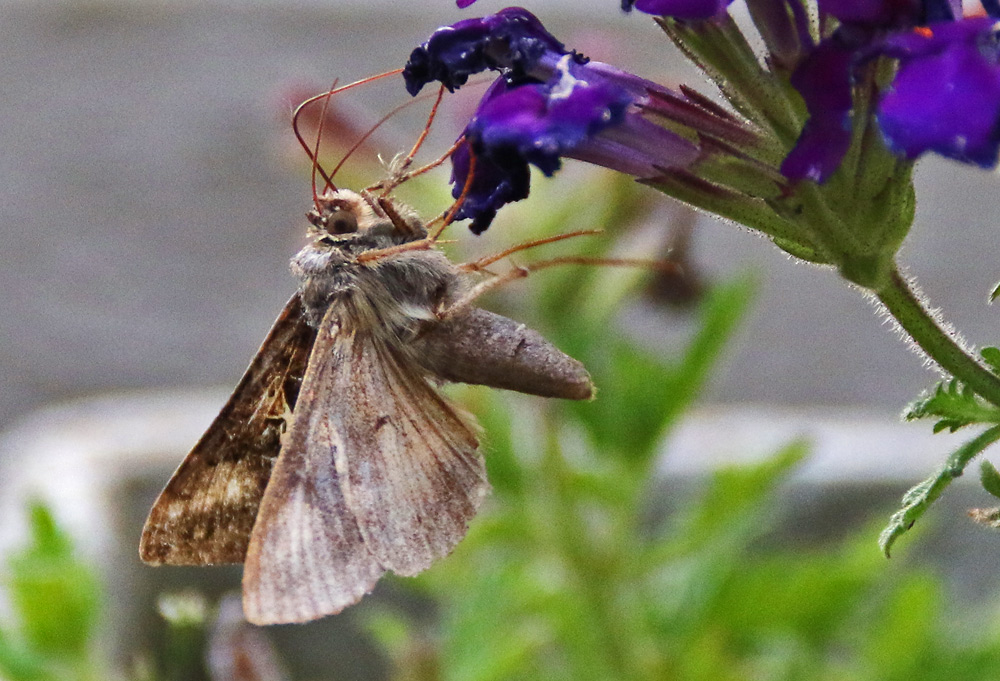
919,498
955,406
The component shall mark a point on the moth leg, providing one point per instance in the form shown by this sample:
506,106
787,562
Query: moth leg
498,280
522,271
424,244
397,220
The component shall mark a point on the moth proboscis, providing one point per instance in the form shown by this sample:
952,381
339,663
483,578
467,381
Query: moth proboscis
336,459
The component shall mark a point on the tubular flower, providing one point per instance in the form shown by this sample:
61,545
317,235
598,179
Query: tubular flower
548,103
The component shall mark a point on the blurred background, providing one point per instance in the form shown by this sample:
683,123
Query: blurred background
151,194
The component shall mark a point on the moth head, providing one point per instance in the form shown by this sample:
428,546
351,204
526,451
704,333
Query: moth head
342,213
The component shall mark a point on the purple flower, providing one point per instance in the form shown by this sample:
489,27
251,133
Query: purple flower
946,94
824,81
548,103
944,97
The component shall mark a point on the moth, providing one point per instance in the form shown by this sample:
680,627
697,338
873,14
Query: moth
336,459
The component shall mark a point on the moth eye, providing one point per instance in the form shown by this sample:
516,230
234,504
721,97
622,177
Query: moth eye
341,222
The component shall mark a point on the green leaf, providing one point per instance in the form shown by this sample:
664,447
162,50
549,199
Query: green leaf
955,405
990,478
995,293
918,499
733,503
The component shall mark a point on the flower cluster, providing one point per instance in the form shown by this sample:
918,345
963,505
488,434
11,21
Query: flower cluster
547,103
926,77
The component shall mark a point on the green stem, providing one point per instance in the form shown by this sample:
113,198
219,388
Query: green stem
941,346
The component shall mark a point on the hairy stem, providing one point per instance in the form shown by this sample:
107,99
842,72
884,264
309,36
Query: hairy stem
941,346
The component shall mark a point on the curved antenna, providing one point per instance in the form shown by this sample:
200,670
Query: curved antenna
401,174
310,152
315,155
378,125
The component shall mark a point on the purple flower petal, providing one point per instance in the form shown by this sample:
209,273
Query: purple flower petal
534,123
824,81
512,39
946,94
494,185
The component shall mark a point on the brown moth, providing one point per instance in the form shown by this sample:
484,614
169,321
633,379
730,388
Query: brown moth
336,459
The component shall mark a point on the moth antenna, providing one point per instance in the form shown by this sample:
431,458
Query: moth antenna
328,178
448,216
402,175
312,153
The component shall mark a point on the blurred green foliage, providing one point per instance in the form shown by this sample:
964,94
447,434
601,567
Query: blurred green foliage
55,601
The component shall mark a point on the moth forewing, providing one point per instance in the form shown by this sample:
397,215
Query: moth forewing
307,557
378,473
206,511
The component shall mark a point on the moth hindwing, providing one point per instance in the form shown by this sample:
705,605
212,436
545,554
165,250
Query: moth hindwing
377,471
